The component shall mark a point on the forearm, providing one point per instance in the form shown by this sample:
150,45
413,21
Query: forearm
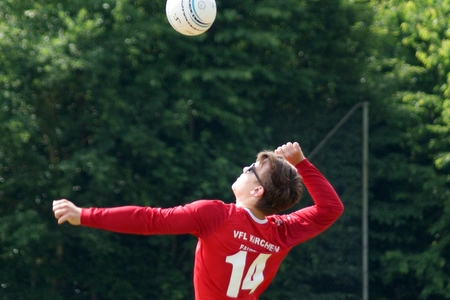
327,202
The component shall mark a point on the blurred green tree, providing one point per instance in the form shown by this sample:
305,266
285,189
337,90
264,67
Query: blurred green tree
410,210
102,102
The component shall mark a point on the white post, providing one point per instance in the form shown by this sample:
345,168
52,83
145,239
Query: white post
365,202
365,186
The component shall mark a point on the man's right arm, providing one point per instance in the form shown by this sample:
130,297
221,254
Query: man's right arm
197,218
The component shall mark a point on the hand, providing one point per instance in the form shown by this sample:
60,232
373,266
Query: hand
65,210
291,152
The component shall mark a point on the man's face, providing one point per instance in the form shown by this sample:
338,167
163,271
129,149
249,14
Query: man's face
249,179
252,169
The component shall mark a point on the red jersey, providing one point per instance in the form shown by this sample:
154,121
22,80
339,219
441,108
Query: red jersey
237,255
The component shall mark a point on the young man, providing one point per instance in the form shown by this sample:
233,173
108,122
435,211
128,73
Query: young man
240,246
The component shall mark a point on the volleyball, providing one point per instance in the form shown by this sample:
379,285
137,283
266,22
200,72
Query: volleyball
191,17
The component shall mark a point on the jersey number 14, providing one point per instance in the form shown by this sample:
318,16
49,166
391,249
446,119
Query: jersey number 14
254,275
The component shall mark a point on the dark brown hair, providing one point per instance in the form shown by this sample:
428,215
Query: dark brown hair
283,186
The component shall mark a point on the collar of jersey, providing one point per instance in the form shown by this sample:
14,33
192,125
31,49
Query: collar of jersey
255,218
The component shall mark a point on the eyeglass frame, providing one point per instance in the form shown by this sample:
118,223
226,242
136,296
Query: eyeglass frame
251,168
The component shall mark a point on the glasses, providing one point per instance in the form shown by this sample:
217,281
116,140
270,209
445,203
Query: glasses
251,168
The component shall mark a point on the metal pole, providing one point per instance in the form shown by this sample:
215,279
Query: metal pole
336,128
365,202
365,186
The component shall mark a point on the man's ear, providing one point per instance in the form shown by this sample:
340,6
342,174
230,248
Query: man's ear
257,191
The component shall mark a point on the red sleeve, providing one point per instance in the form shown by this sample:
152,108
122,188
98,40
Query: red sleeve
199,218
308,222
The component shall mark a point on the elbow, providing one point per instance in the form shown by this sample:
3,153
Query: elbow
339,209
336,210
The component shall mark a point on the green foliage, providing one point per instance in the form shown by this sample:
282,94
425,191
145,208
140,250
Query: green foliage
410,212
105,104
102,102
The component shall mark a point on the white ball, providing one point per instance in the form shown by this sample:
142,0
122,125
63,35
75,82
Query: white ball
191,17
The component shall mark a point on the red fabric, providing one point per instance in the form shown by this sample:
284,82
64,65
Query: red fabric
237,256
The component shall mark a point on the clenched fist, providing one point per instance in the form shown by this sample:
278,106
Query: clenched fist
291,152
65,210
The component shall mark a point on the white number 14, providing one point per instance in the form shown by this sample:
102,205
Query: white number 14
254,275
